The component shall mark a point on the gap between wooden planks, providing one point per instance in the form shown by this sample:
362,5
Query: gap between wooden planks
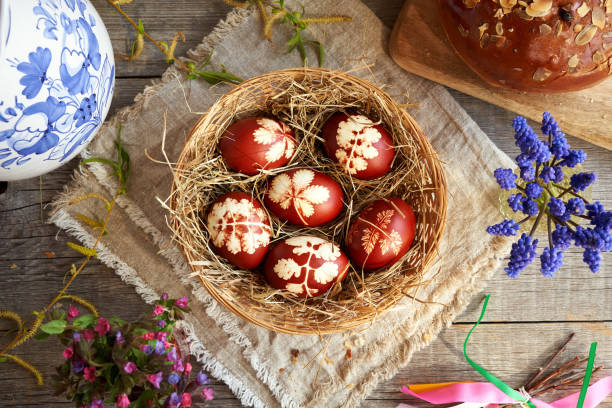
419,45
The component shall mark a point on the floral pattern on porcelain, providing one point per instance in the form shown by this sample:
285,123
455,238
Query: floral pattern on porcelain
61,84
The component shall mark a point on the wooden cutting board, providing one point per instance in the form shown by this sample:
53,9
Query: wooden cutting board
419,45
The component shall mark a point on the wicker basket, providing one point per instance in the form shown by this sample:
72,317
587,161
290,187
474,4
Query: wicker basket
417,176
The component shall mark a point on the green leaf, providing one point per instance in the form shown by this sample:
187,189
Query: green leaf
83,250
117,321
293,41
54,327
41,336
302,50
3,359
214,78
141,29
164,45
100,160
84,321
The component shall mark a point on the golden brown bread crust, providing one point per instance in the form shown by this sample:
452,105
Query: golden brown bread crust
566,47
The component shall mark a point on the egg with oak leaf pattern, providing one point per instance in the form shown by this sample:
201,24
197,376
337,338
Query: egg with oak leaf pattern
304,197
256,143
239,229
381,234
363,148
305,265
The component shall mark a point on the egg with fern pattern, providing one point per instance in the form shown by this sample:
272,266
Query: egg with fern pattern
255,143
305,265
381,233
364,149
239,229
304,197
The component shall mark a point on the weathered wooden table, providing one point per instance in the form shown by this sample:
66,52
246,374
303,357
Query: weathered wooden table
527,319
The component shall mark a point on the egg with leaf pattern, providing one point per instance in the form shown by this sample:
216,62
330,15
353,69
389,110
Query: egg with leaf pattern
305,265
256,143
239,229
381,233
304,197
362,147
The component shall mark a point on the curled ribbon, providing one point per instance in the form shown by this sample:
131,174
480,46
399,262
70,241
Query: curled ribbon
481,394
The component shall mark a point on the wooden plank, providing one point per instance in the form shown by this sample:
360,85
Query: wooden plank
419,45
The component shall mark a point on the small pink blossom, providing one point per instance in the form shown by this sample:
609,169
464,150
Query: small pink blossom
148,336
102,327
188,368
182,302
158,310
73,312
123,401
129,367
155,379
89,373
207,393
186,400
68,352
161,336
88,335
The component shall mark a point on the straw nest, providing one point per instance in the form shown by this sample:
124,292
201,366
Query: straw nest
304,98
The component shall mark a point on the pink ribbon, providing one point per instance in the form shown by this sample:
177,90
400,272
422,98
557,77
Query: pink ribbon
485,393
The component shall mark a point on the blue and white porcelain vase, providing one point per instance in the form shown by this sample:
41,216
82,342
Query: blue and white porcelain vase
57,73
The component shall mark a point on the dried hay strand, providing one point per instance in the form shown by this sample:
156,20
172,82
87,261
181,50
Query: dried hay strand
304,98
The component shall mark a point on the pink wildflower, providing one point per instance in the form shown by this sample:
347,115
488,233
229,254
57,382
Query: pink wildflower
158,310
73,312
186,400
89,373
129,367
148,336
102,327
88,335
68,352
155,379
188,368
182,302
207,393
123,401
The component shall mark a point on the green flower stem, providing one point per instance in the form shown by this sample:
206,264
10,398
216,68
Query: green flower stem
549,223
537,221
523,220
558,221
572,193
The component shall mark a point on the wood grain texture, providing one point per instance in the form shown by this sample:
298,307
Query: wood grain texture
418,44
526,321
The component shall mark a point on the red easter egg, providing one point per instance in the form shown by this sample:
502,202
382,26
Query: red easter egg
304,197
305,265
381,234
255,143
363,148
239,229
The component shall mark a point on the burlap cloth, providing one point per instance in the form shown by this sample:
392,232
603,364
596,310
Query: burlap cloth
254,362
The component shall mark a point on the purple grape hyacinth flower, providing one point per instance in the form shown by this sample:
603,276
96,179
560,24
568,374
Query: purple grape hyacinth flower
515,202
581,181
522,254
592,258
533,190
505,228
551,260
541,189
557,207
505,178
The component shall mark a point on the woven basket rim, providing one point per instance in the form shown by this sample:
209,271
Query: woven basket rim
438,183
